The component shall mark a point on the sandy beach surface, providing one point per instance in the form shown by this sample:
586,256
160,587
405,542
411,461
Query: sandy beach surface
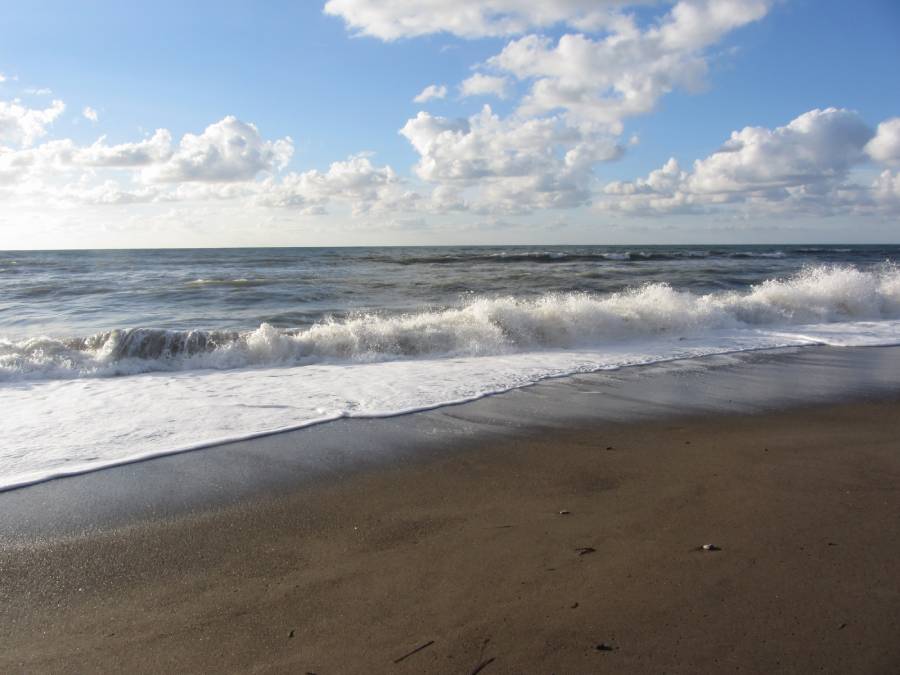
555,552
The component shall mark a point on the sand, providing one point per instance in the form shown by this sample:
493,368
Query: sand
550,552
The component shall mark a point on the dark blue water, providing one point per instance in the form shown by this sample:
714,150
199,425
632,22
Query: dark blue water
79,293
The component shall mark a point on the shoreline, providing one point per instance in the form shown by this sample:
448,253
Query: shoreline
28,480
566,549
183,482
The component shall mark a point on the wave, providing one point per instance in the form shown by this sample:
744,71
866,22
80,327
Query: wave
532,257
757,254
231,283
483,326
551,257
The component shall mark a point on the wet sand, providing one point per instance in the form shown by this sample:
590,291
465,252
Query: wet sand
554,551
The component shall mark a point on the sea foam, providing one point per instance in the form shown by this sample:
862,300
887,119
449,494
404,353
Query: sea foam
65,413
482,326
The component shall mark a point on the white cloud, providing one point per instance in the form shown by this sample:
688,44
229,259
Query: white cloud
90,114
694,24
804,166
469,18
229,150
153,150
517,164
39,91
485,85
356,181
430,92
2,78
600,81
20,125
817,146
886,189
230,160
35,166
580,88
107,193
885,146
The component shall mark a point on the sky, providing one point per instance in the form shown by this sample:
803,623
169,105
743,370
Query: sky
365,122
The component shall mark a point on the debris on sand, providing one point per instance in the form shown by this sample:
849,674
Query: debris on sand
414,651
481,666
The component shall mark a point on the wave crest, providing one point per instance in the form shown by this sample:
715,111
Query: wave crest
483,326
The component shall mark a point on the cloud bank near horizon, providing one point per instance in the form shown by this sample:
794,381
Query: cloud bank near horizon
569,97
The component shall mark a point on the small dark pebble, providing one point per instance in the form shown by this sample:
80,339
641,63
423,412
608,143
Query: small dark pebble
291,634
831,543
603,647
609,447
574,605
842,626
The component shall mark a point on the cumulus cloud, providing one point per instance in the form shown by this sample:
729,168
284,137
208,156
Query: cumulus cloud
229,160
36,165
804,165
485,85
153,150
886,189
607,65
517,164
229,150
624,73
107,193
885,146
90,114
620,71
468,18
430,92
21,125
357,181
817,146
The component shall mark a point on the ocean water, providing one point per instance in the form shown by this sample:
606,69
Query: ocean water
107,356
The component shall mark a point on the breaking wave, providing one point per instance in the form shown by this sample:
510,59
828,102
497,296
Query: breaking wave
483,326
574,257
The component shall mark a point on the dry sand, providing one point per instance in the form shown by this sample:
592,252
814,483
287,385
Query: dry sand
556,553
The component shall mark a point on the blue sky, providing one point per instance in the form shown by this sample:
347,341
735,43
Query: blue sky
341,84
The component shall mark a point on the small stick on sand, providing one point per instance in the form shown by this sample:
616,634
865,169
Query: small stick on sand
484,664
417,649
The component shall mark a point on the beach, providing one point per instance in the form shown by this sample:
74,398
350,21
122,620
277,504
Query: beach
465,337
557,547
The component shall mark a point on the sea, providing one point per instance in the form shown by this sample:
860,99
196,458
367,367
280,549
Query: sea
109,356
